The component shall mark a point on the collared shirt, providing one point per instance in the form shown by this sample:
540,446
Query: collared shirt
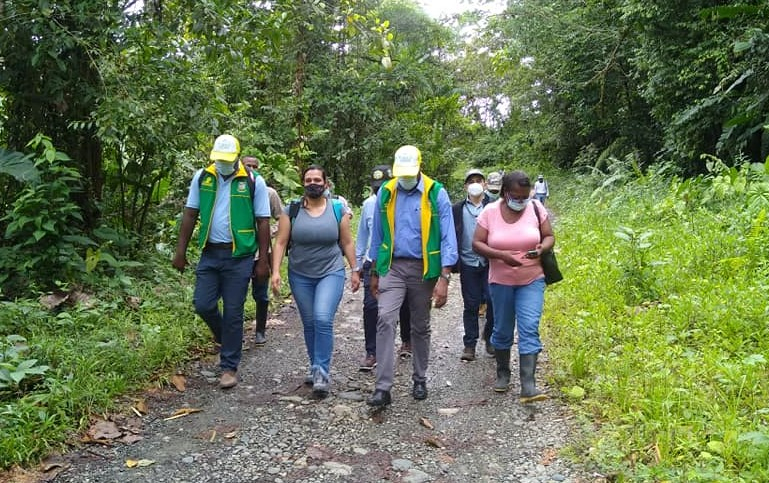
407,236
220,219
470,214
363,241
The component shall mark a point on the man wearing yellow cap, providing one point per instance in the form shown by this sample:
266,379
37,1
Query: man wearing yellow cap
413,249
234,212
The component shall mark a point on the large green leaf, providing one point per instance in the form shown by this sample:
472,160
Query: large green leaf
18,165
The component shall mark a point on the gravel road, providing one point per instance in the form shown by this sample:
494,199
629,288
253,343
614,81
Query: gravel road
269,428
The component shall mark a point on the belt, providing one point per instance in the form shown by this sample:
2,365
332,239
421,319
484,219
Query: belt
219,246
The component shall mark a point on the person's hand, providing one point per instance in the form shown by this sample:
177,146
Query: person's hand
180,262
440,292
276,283
373,285
355,281
511,259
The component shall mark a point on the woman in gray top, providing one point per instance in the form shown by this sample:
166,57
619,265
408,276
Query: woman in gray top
318,236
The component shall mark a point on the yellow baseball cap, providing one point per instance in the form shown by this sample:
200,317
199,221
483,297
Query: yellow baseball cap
226,148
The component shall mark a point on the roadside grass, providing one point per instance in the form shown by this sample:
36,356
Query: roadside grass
658,335
93,352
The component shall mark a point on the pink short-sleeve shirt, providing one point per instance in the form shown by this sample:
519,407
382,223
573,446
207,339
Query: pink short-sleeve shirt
516,237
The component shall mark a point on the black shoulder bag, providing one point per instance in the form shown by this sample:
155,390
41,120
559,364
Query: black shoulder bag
547,258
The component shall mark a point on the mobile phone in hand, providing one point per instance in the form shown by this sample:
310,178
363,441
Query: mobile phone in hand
532,254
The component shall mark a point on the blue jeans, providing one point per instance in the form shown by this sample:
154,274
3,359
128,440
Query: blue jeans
475,291
521,303
220,276
541,198
317,300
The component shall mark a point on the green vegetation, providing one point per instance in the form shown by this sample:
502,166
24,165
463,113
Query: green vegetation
659,332
648,118
67,364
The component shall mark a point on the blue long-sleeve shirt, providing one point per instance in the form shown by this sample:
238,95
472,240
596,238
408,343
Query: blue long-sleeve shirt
407,236
363,240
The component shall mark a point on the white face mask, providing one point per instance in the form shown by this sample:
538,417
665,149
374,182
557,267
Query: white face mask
475,189
408,183
517,205
224,168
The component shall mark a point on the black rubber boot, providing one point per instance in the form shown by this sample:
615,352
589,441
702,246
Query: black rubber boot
503,370
528,367
261,316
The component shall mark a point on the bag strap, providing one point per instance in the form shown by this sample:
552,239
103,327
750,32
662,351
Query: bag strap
539,221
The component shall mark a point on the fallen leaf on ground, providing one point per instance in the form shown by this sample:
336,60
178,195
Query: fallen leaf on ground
448,411
213,436
141,406
138,463
179,382
104,430
182,412
426,423
231,435
131,438
548,456
435,442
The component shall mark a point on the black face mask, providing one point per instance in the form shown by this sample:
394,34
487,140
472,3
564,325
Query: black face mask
314,190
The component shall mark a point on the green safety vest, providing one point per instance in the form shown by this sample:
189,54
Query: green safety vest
242,225
431,227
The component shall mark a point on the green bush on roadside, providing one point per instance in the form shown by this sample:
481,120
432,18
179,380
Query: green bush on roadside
661,321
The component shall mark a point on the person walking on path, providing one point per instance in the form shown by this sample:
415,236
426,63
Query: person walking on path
473,268
413,249
493,185
508,234
259,288
234,213
318,238
541,190
379,175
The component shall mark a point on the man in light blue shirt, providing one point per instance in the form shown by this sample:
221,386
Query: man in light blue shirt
379,175
413,248
234,213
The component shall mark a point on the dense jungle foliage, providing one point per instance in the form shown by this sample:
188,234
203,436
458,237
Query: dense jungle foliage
649,118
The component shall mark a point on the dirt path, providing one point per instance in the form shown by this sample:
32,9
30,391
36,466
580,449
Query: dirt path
269,428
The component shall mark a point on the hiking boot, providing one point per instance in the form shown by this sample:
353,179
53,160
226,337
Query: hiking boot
368,364
405,351
229,379
259,339
468,354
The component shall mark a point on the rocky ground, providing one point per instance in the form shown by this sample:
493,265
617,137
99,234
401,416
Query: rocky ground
270,428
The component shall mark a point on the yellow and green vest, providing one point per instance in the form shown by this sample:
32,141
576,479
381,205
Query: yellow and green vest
242,225
431,227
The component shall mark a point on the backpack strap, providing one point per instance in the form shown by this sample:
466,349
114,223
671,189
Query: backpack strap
293,211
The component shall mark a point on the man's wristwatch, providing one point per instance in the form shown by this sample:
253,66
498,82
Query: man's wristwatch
446,277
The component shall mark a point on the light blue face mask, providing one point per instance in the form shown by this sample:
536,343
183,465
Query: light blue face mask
224,168
408,183
516,205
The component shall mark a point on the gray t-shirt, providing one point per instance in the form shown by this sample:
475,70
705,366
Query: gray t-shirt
315,250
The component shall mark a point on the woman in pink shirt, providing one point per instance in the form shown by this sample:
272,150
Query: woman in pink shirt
508,234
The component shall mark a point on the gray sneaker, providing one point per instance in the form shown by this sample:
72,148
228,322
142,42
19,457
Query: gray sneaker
320,384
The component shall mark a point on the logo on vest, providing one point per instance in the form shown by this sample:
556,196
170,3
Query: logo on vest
208,181
242,187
